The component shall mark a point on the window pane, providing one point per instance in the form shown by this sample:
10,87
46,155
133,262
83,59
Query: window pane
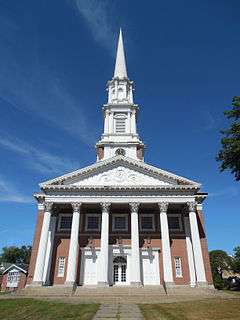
66,222
147,222
120,223
93,222
61,266
178,267
173,222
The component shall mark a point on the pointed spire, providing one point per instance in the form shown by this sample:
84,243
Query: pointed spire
120,65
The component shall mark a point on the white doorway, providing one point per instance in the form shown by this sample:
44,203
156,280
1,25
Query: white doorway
119,271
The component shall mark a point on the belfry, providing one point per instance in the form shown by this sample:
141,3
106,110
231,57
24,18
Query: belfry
120,221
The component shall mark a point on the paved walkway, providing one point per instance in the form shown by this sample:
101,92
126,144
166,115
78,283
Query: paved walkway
119,311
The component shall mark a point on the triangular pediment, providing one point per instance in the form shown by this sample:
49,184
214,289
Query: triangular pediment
120,171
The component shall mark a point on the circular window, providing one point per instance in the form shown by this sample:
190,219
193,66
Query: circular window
120,151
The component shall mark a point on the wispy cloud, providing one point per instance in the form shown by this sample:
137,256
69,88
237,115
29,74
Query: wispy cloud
98,18
38,159
9,193
28,85
226,192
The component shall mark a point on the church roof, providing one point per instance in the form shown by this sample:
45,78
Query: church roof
120,172
120,65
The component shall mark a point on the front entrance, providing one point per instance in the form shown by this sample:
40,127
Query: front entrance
119,270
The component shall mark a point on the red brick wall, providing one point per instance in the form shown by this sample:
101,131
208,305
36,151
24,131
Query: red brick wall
21,284
35,244
204,245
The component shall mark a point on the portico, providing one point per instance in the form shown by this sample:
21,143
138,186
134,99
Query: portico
130,242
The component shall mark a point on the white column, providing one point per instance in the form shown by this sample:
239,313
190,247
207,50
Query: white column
40,261
128,122
103,268
106,122
50,243
133,123
135,256
111,125
166,251
73,247
191,266
196,243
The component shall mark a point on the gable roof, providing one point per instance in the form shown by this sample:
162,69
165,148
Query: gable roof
67,180
20,266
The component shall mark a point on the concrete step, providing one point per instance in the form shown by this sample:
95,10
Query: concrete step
45,291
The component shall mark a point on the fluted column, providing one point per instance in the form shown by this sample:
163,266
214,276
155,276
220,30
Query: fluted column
103,268
135,257
40,261
166,251
73,247
196,243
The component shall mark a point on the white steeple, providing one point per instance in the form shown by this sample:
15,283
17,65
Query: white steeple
120,115
120,65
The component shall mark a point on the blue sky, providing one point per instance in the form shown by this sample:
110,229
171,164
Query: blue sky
55,59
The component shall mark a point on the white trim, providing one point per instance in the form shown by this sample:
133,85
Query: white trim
86,221
114,215
120,158
179,216
59,221
15,266
153,221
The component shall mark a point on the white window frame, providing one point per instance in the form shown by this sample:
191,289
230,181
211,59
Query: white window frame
92,215
59,221
179,216
153,221
13,278
119,215
178,260
62,269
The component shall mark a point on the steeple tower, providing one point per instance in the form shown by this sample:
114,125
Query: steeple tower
120,133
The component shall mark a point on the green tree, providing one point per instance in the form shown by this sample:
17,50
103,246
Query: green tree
16,254
219,261
229,155
236,259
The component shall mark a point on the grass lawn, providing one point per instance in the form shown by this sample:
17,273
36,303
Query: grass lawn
30,309
193,310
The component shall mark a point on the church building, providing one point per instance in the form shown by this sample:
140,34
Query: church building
120,221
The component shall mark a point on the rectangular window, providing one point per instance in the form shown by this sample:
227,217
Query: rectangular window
92,222
120,125
174,222
147,222
65,222
178,267
120,222
61,266
13,278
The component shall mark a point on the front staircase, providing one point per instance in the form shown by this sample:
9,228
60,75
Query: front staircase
118,294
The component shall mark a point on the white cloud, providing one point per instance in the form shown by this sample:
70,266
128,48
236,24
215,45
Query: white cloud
225,192
8,193
38,159
98,18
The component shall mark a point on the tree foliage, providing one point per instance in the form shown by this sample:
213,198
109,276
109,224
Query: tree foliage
16,254
229,155
219,261
236,259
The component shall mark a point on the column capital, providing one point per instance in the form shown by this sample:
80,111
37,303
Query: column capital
191,206
163,206
105,206
48,206
76,206
134,206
